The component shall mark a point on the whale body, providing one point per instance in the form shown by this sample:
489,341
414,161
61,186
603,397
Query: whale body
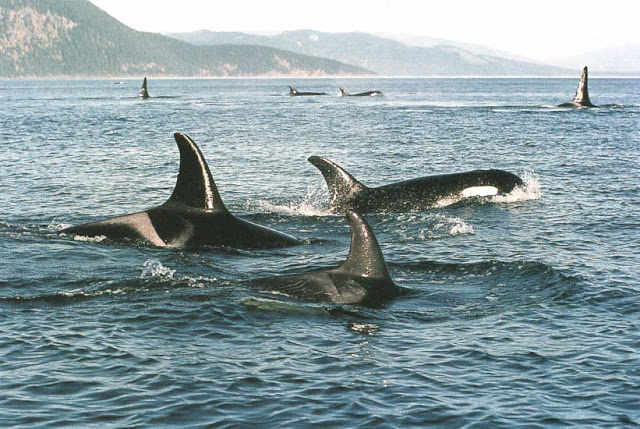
344,93
345,192
362,279
295,93
194,216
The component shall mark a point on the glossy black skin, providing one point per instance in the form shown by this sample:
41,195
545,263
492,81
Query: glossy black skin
143,91
177,226
193,217
362,279
581,99
344,93
416,194
295,93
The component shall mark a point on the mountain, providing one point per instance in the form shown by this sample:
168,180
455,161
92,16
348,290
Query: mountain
75,38
622,59
429,42
384,56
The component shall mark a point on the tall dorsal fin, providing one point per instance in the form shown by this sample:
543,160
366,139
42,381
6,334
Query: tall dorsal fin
342,186
582,93
292,90
343,93
365,257
195,186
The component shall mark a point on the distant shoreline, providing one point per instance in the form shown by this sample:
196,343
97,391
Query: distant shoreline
294,77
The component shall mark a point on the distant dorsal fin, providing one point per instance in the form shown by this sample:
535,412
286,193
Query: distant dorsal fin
143,91
343,92
342,186
365,257
582,93
195,186
292,90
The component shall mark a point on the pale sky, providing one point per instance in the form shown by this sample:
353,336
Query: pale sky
539,29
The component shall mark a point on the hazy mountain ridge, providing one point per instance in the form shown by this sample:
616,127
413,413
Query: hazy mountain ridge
624,59
75,38
382,55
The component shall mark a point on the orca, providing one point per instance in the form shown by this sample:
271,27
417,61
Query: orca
143,91
295,93
346,193
581,99
194,216
362,279
344,93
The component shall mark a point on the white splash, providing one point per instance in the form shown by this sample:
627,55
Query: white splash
314,203
530,190
58,226
96,239
430,226
155,269
460,227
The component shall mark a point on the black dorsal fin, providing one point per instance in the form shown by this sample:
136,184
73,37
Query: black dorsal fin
292,90
582,93
343,92
343,187
365,257
143,91
195,186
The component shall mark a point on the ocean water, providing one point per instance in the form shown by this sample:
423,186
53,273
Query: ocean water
523,308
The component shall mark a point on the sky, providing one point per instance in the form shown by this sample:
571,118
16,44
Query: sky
540,29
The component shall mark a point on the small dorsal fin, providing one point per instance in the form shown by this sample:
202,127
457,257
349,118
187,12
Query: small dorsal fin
365,257
292,90
143,91
582,93
343,93
343,187
195,186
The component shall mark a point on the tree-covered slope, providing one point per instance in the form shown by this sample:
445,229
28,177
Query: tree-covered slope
73,37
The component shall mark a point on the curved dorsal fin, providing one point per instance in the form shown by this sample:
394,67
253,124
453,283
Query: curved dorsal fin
365,257
343,92
342,186
195,186
582,93
292,90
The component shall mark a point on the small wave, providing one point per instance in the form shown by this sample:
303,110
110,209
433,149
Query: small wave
274,305
430,226
55,226
460,227
155,269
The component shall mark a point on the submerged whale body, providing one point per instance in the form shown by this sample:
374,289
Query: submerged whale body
422,193
143,91
295,93
194,215
362,278
376,93
581,99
